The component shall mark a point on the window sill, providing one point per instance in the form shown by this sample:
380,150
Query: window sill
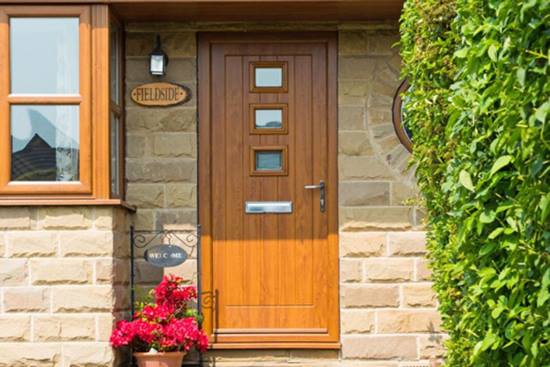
277,345
65,202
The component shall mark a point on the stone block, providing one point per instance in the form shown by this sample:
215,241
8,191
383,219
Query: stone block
105,325
403,192
2,245
423,272
356,68
375,218
351,270
408,321
31,243
372,295
15,218
144,219
61,271
351,118
419,295
357,321
407,243
161,170
380,44
432,346
181,195
64,328
26,355
112,271
354,143
175,145
145,195
379,347
352,42
148,120
363,168
362,244
106,218
187,270
13,272
97,354
389,269
364,193
31,299
82,299
175,44
15,328
86,243
136,146
175,217
352,92
64,217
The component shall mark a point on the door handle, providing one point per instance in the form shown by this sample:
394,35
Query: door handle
322,198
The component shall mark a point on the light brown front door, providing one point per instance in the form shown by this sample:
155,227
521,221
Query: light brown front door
267,146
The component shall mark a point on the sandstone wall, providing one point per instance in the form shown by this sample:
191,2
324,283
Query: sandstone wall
63,280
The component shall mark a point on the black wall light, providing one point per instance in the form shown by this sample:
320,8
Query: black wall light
158,60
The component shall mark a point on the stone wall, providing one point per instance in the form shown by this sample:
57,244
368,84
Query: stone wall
63,279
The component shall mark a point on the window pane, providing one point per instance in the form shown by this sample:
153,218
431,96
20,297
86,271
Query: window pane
115,63
115,155
269,160
269,77
44,55
268,119
45,143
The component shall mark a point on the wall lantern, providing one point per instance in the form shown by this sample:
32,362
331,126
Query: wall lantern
158,60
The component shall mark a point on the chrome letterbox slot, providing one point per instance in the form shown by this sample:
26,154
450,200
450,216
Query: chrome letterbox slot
262,207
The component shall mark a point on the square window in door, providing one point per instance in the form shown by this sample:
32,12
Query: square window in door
268,77
268,118
268,161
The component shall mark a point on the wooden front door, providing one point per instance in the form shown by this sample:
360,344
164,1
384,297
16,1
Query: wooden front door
268,188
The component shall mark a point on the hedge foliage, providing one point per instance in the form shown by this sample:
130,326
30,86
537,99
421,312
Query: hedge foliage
479,109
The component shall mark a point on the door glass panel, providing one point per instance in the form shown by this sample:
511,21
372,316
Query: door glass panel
45,143
268,77
269,160
268,119
44,55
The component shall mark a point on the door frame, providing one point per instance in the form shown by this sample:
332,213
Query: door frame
204,192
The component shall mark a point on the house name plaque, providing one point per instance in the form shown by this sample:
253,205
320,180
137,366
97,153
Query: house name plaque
161,94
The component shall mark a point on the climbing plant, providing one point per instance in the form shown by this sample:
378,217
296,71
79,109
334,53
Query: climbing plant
478,106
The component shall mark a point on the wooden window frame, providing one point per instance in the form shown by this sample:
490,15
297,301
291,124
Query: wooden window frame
271,148
268,64
117,108
93,98
253,107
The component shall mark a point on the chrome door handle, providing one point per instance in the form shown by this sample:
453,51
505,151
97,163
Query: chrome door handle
322,198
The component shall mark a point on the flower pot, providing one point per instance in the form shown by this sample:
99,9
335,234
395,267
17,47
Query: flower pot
168,359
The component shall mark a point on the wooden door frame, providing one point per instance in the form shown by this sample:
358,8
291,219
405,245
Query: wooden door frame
205,41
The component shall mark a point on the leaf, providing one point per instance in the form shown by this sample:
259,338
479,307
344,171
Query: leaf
466,180
520,74
493,52
500,163
544,206
488,216
544,293
542,111
495,233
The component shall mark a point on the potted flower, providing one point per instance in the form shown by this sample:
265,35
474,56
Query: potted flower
161,332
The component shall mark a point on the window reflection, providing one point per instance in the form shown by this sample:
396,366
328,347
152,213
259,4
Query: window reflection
45,143
44,55
268,119
268,77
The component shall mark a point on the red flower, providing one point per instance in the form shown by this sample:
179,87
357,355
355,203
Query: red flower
165,324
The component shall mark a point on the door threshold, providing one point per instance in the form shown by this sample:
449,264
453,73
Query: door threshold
275,345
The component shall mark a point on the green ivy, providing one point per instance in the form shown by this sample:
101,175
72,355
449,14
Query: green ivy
478,105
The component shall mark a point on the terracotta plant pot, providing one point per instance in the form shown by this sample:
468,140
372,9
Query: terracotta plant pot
168,359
